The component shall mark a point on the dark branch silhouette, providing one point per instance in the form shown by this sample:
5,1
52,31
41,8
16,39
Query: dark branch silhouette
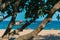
34,8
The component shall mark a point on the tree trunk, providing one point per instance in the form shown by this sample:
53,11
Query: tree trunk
9,26
42,25
27,24
12,20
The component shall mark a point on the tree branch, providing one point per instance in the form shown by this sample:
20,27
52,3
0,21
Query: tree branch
4,18
12,20
41,26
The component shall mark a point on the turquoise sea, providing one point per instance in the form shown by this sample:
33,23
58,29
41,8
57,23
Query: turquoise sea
51,25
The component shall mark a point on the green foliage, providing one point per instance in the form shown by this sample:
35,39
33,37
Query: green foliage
32,7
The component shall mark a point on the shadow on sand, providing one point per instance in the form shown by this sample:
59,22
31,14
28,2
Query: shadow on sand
46,37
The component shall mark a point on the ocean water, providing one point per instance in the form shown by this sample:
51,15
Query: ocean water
51,25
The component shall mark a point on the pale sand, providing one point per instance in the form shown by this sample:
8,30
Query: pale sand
42,33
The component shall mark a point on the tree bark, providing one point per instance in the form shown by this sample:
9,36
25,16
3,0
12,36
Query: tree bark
41,26
27,24
12,20
4,5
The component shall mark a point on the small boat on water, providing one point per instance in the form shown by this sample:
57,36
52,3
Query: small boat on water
18,22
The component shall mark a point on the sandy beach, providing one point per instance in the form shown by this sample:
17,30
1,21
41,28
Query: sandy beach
44,34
